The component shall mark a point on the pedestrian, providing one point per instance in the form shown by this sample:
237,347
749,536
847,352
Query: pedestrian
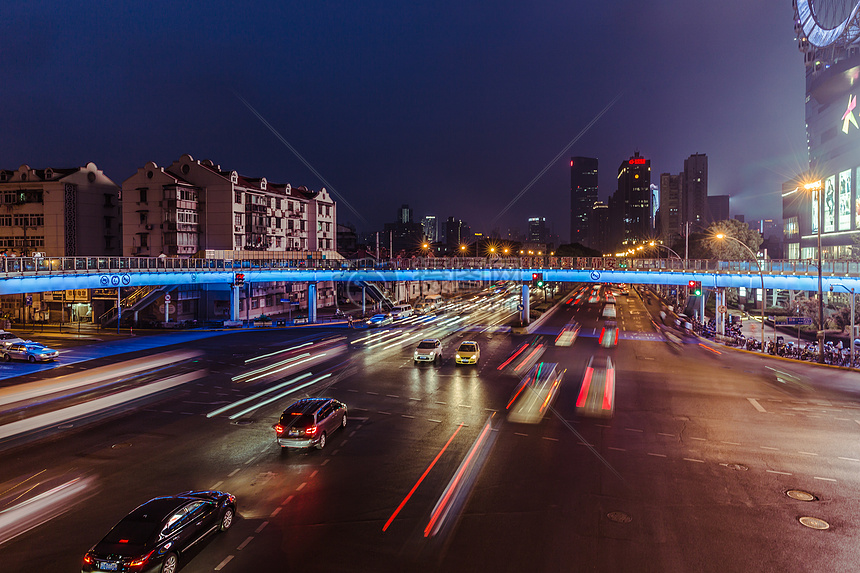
349,320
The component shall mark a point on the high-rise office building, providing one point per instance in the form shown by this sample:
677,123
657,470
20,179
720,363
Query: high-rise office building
431,228
632,200
670,206
599,227
583,195
695,189
404,214
538,231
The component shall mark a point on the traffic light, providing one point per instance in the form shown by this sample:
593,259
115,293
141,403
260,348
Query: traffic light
694,288
537,279
540,284
240,279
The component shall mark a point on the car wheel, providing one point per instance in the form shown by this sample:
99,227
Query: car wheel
343,422
227,519
170,563
321,443
32,359
7,358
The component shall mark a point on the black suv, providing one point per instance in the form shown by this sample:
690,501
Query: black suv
307,423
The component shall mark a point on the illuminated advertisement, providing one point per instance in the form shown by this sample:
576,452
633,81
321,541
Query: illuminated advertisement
814,204
845,200
830,204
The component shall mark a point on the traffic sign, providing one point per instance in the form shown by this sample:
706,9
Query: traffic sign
722,309
167,297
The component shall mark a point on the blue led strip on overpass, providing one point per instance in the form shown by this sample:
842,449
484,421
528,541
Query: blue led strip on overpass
785,274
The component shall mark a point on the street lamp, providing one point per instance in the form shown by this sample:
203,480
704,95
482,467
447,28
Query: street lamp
653,244
851,338
815,187
761,274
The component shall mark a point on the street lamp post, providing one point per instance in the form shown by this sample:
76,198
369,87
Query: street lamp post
850,338
815,187
761,275
653,244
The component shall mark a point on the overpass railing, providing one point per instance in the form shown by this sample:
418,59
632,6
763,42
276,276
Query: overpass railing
16,266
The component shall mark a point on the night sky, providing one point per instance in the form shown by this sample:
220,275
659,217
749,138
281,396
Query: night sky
451,107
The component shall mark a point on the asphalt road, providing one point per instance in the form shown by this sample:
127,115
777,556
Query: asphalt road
690,474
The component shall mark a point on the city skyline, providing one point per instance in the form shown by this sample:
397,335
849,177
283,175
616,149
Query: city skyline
377,116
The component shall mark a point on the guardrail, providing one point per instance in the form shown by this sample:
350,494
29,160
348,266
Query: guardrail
18,266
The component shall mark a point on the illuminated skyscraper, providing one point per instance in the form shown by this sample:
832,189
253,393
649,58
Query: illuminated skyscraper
583,195
632,200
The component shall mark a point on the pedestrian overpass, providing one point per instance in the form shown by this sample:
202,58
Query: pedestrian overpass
20,275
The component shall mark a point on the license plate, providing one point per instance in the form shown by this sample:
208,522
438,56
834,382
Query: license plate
104,566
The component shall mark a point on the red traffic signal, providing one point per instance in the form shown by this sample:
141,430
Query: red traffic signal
240,279
537,276
691,284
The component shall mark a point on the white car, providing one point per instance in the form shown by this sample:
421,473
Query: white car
428,350
7,338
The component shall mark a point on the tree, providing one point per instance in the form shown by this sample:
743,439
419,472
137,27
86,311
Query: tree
727,249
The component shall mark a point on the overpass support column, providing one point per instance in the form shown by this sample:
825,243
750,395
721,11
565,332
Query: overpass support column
312,302
234,302
721,316
524,313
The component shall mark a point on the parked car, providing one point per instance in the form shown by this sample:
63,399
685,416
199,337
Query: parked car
379,320
307,423
428,350
30,351
468,352
154,536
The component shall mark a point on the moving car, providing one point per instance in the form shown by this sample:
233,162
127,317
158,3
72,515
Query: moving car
401,311
379,320
568,334
7,338
30,351
307,423
156,535
609,311
535,394
609,334
468,352
428,350
597,393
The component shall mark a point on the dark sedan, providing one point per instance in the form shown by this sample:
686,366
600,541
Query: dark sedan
307,423
154,536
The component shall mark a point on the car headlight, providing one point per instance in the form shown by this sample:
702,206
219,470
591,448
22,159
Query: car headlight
415,354
459,357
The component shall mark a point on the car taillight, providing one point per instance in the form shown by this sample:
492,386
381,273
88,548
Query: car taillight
142,560
279,429
310,431
88,559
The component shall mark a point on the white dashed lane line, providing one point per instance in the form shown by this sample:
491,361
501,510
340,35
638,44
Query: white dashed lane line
694,460
807,453
262,527
823,479
519,434
245,543
849,459
769,448
657,455
223,563
776,472
756,405
234,472
325,461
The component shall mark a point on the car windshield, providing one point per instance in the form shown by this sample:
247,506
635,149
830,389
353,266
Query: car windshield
468,347
132,532
426,345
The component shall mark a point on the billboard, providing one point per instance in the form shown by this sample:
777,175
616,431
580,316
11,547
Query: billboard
830,204
845,200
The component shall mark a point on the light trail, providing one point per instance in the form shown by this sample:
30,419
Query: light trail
257,395
279,396
269,367
278,352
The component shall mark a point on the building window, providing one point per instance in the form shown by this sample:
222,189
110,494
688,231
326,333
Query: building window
238,197
278,242
108,200
143,195
144,239
144,215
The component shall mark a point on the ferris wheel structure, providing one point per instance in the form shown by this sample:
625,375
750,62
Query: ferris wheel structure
826,23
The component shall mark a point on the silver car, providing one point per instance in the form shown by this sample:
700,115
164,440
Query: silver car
30,351
429,350
307,423
7,338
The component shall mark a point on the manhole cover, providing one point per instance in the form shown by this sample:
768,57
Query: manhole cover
738,467
122,445
243,422
619,517
800,495
814,523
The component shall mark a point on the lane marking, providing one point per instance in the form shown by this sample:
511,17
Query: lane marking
314,474
731,443
776,472
217,485
657,455
351,390
849,459
276,512
617,449
392,396
405,416
245,543
234,472
807,453
769,448
301,486
432,420
665,434
634,430
262,527
756,405
352,433
334,453
548,438
384,413
700,439
286,501
583,444
519,434
325,461
374,393
823,479
223,563
465,405
444,403
694,460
